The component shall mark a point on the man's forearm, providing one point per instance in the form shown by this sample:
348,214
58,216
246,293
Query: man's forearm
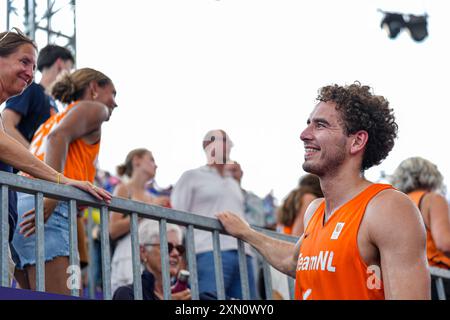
280,254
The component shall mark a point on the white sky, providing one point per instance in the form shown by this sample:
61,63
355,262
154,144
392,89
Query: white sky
252,68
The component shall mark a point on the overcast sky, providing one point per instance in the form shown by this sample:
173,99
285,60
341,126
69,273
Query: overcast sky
253,68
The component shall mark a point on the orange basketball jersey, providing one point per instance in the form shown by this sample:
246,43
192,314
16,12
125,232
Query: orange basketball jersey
436,258
81,157
329,266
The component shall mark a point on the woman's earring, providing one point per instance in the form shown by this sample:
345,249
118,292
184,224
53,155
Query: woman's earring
94,95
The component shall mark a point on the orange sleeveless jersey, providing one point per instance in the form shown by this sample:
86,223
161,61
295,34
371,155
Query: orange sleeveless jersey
329,266
81,157
436,258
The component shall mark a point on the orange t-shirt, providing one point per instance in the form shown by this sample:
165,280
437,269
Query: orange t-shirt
436,258
81,156
329,266
287,230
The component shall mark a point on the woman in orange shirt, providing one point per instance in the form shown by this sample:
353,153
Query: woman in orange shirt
69,142
421,180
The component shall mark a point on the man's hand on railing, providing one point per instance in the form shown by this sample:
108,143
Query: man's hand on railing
28,226
99,193
234,224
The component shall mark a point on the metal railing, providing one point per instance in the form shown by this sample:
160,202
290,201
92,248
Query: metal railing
75,198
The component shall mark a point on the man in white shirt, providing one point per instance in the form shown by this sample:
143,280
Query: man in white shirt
206,191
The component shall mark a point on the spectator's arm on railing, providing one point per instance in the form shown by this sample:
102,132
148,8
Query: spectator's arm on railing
16,155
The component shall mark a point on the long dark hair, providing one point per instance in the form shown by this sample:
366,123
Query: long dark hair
309,183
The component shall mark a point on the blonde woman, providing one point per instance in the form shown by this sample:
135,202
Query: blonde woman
139,168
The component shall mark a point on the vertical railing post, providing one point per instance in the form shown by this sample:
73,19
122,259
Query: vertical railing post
440,288
106,253
218,268
40,242
164,250
267,279
243,270
135,255
291,285
74,260
91,274
4,237
192,262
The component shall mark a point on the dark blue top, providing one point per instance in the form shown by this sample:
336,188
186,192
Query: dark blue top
12,202
34,105
148,287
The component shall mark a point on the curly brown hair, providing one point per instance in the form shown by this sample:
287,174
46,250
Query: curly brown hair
362,110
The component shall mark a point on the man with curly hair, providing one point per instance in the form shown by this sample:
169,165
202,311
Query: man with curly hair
362,240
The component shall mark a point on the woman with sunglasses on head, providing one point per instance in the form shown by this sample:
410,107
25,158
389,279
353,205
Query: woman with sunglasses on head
139,168
150,254
17,67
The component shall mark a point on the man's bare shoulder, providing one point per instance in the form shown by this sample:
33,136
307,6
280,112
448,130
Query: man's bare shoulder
391,211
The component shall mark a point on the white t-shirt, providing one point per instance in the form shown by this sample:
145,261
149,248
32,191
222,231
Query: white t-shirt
121,264
205,192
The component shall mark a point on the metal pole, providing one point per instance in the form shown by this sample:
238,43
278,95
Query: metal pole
40,241
4,238
164,250
74,260
192,262
135,254
106,253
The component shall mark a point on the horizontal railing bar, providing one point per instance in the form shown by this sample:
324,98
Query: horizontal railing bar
439,272
126,206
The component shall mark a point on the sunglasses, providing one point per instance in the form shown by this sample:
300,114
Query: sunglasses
17,30
180,248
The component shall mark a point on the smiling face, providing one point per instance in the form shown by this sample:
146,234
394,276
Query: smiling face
324,140
107,96
154,259
17,70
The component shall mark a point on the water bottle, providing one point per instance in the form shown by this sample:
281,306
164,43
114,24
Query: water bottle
182,281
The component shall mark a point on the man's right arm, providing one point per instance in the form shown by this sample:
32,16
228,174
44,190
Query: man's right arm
282,255
11,119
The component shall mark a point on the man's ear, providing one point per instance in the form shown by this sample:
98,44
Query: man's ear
60,64
359,141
